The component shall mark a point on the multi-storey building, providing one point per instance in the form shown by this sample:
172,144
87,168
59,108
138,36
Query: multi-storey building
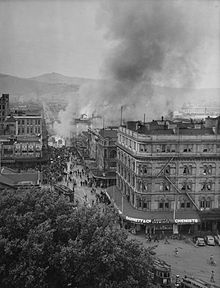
20,152
169,172
4,107
28,124
102,148
23,137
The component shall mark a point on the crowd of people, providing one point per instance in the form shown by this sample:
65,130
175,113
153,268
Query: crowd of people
55,170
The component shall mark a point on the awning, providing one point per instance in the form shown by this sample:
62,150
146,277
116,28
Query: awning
155,217
100,174
208,215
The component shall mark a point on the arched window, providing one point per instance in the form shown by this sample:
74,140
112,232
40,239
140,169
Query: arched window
186,186
207,170
187,169
133,166
206,186
167,170
129,162
112,154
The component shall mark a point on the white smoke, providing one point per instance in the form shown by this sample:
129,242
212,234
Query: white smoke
156,43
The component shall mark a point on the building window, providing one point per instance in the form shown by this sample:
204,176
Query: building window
186,186
182,205
188,148
166,205
161,205
207,148
207,170
185,204
133,166
28,130
173,148
144,169
146,204
187,170
22,122
205,203
158,148
139,202
165,186
112,154
206,186
167,170
146,187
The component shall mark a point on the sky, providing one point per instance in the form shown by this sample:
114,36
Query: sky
69,37
50,36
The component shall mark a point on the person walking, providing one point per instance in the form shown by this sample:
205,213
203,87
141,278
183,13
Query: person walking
212,278
176,252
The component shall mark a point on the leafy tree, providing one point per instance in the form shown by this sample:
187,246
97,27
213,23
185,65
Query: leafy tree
46,242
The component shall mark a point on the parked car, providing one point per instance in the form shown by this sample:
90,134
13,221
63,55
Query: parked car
199,241
217,239
210,240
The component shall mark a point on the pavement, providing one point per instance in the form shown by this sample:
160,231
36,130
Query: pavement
191,260
82,193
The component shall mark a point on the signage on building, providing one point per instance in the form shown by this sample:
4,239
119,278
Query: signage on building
138,220
186,221
160,221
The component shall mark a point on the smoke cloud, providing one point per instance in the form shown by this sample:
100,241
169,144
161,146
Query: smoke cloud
154,44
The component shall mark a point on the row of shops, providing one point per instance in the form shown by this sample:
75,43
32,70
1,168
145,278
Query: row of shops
164,222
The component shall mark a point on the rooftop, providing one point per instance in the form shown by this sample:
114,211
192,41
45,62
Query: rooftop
12,178
210,126
108,133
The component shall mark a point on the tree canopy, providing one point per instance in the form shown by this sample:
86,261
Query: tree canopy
46,242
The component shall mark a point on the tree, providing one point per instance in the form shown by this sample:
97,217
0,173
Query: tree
46,242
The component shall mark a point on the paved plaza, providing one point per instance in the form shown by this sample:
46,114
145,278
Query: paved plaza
191,260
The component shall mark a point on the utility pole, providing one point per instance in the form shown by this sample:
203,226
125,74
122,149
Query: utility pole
121,115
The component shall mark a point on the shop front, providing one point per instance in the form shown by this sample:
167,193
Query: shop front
162,227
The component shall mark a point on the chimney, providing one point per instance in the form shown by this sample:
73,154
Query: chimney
162,118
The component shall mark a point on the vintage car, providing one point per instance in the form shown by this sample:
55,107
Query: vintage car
199,241
210,240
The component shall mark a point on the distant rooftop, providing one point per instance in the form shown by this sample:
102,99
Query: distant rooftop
108,133
209,126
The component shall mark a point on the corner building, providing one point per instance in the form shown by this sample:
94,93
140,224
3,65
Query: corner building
170,171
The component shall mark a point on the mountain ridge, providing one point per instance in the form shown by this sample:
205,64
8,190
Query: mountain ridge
57,87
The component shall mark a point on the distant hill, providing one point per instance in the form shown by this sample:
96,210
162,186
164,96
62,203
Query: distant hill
23,89
56,78
57,87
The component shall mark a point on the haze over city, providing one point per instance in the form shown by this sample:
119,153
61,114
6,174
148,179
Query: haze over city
109,143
